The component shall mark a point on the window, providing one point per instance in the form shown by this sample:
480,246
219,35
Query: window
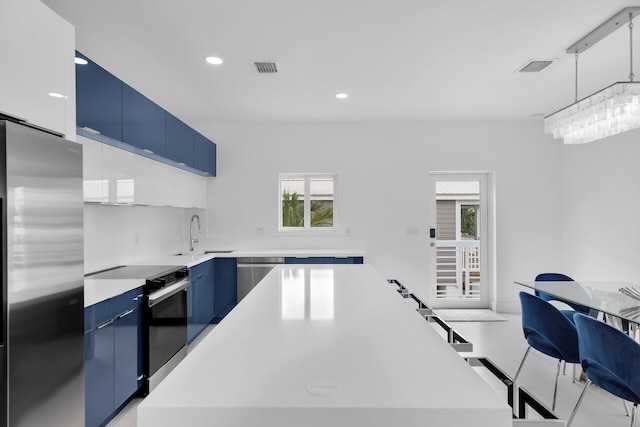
307,201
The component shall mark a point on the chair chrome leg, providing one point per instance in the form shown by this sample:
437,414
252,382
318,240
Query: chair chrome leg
626,407
573,378
633,415
526,353
564,368
575,409
555,388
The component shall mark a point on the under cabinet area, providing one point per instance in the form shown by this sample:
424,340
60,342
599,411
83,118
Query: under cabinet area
113,355
115,176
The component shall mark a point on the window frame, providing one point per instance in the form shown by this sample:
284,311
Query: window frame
307,228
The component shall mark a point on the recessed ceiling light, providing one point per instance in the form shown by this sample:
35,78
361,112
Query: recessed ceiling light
342,95
56,95
214,60
81,61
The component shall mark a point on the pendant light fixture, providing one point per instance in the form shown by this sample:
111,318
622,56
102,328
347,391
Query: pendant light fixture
610,111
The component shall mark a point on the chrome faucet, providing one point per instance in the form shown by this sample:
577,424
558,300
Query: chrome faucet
194,239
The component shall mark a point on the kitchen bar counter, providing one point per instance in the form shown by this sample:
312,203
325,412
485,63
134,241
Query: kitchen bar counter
323,345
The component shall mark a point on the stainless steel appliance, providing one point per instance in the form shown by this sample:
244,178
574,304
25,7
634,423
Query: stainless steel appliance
166,321
42,340
253,269
164,318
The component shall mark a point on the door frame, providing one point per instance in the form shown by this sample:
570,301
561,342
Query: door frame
488,238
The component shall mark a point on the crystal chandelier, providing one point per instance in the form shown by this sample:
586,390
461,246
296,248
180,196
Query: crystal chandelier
610,111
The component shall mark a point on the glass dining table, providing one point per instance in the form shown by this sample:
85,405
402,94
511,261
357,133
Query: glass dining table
618,299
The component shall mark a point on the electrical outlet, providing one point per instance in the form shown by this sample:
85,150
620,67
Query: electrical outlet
412,231
260,231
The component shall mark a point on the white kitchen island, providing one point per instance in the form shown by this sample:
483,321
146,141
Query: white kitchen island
323,345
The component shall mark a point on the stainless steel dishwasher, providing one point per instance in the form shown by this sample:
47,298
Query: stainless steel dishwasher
253,269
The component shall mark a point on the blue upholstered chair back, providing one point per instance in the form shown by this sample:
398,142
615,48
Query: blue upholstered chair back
558,277
609,357
547,330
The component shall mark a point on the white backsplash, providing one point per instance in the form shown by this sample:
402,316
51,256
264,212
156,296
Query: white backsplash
119,235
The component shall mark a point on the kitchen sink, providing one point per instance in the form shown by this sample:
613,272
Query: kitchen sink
200,253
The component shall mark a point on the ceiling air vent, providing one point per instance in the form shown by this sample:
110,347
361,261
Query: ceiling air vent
266,67
535,65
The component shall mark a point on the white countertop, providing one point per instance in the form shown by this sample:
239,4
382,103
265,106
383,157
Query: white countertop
323,345
97,290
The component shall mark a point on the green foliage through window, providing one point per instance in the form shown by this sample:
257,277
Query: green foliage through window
468,226
293,211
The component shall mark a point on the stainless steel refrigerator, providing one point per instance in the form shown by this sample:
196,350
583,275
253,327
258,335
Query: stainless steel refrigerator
42,352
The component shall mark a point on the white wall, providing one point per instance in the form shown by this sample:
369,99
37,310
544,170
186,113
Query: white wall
383,177
110,233
601,209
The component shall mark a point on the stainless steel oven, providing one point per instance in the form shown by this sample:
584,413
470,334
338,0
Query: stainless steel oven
166,325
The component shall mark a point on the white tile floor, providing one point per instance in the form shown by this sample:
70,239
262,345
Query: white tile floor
504,344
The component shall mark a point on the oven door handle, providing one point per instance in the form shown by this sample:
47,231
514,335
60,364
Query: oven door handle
164,293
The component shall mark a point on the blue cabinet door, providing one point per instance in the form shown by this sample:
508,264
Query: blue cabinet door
323,260
98,99
143,122
207,292
179,141
225,286
127,339
98,370
200,299
205,154
192,328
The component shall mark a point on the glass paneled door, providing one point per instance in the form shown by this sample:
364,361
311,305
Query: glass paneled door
459,240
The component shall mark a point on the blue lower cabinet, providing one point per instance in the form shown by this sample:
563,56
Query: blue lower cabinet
98,370
324,260
127,353
200,299
225,285
113,356
193,328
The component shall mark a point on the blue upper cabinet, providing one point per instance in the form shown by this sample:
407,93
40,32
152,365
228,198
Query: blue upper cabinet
98,100
143,122
114,109
180,146
205,154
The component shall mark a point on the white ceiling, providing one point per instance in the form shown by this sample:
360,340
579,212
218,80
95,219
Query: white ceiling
400,60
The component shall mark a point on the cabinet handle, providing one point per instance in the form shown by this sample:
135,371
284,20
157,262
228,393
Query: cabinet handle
126,313
141,377
138,297
105,324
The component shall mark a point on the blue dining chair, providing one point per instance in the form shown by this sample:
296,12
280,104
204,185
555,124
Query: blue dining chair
550,332
609,359
559,277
